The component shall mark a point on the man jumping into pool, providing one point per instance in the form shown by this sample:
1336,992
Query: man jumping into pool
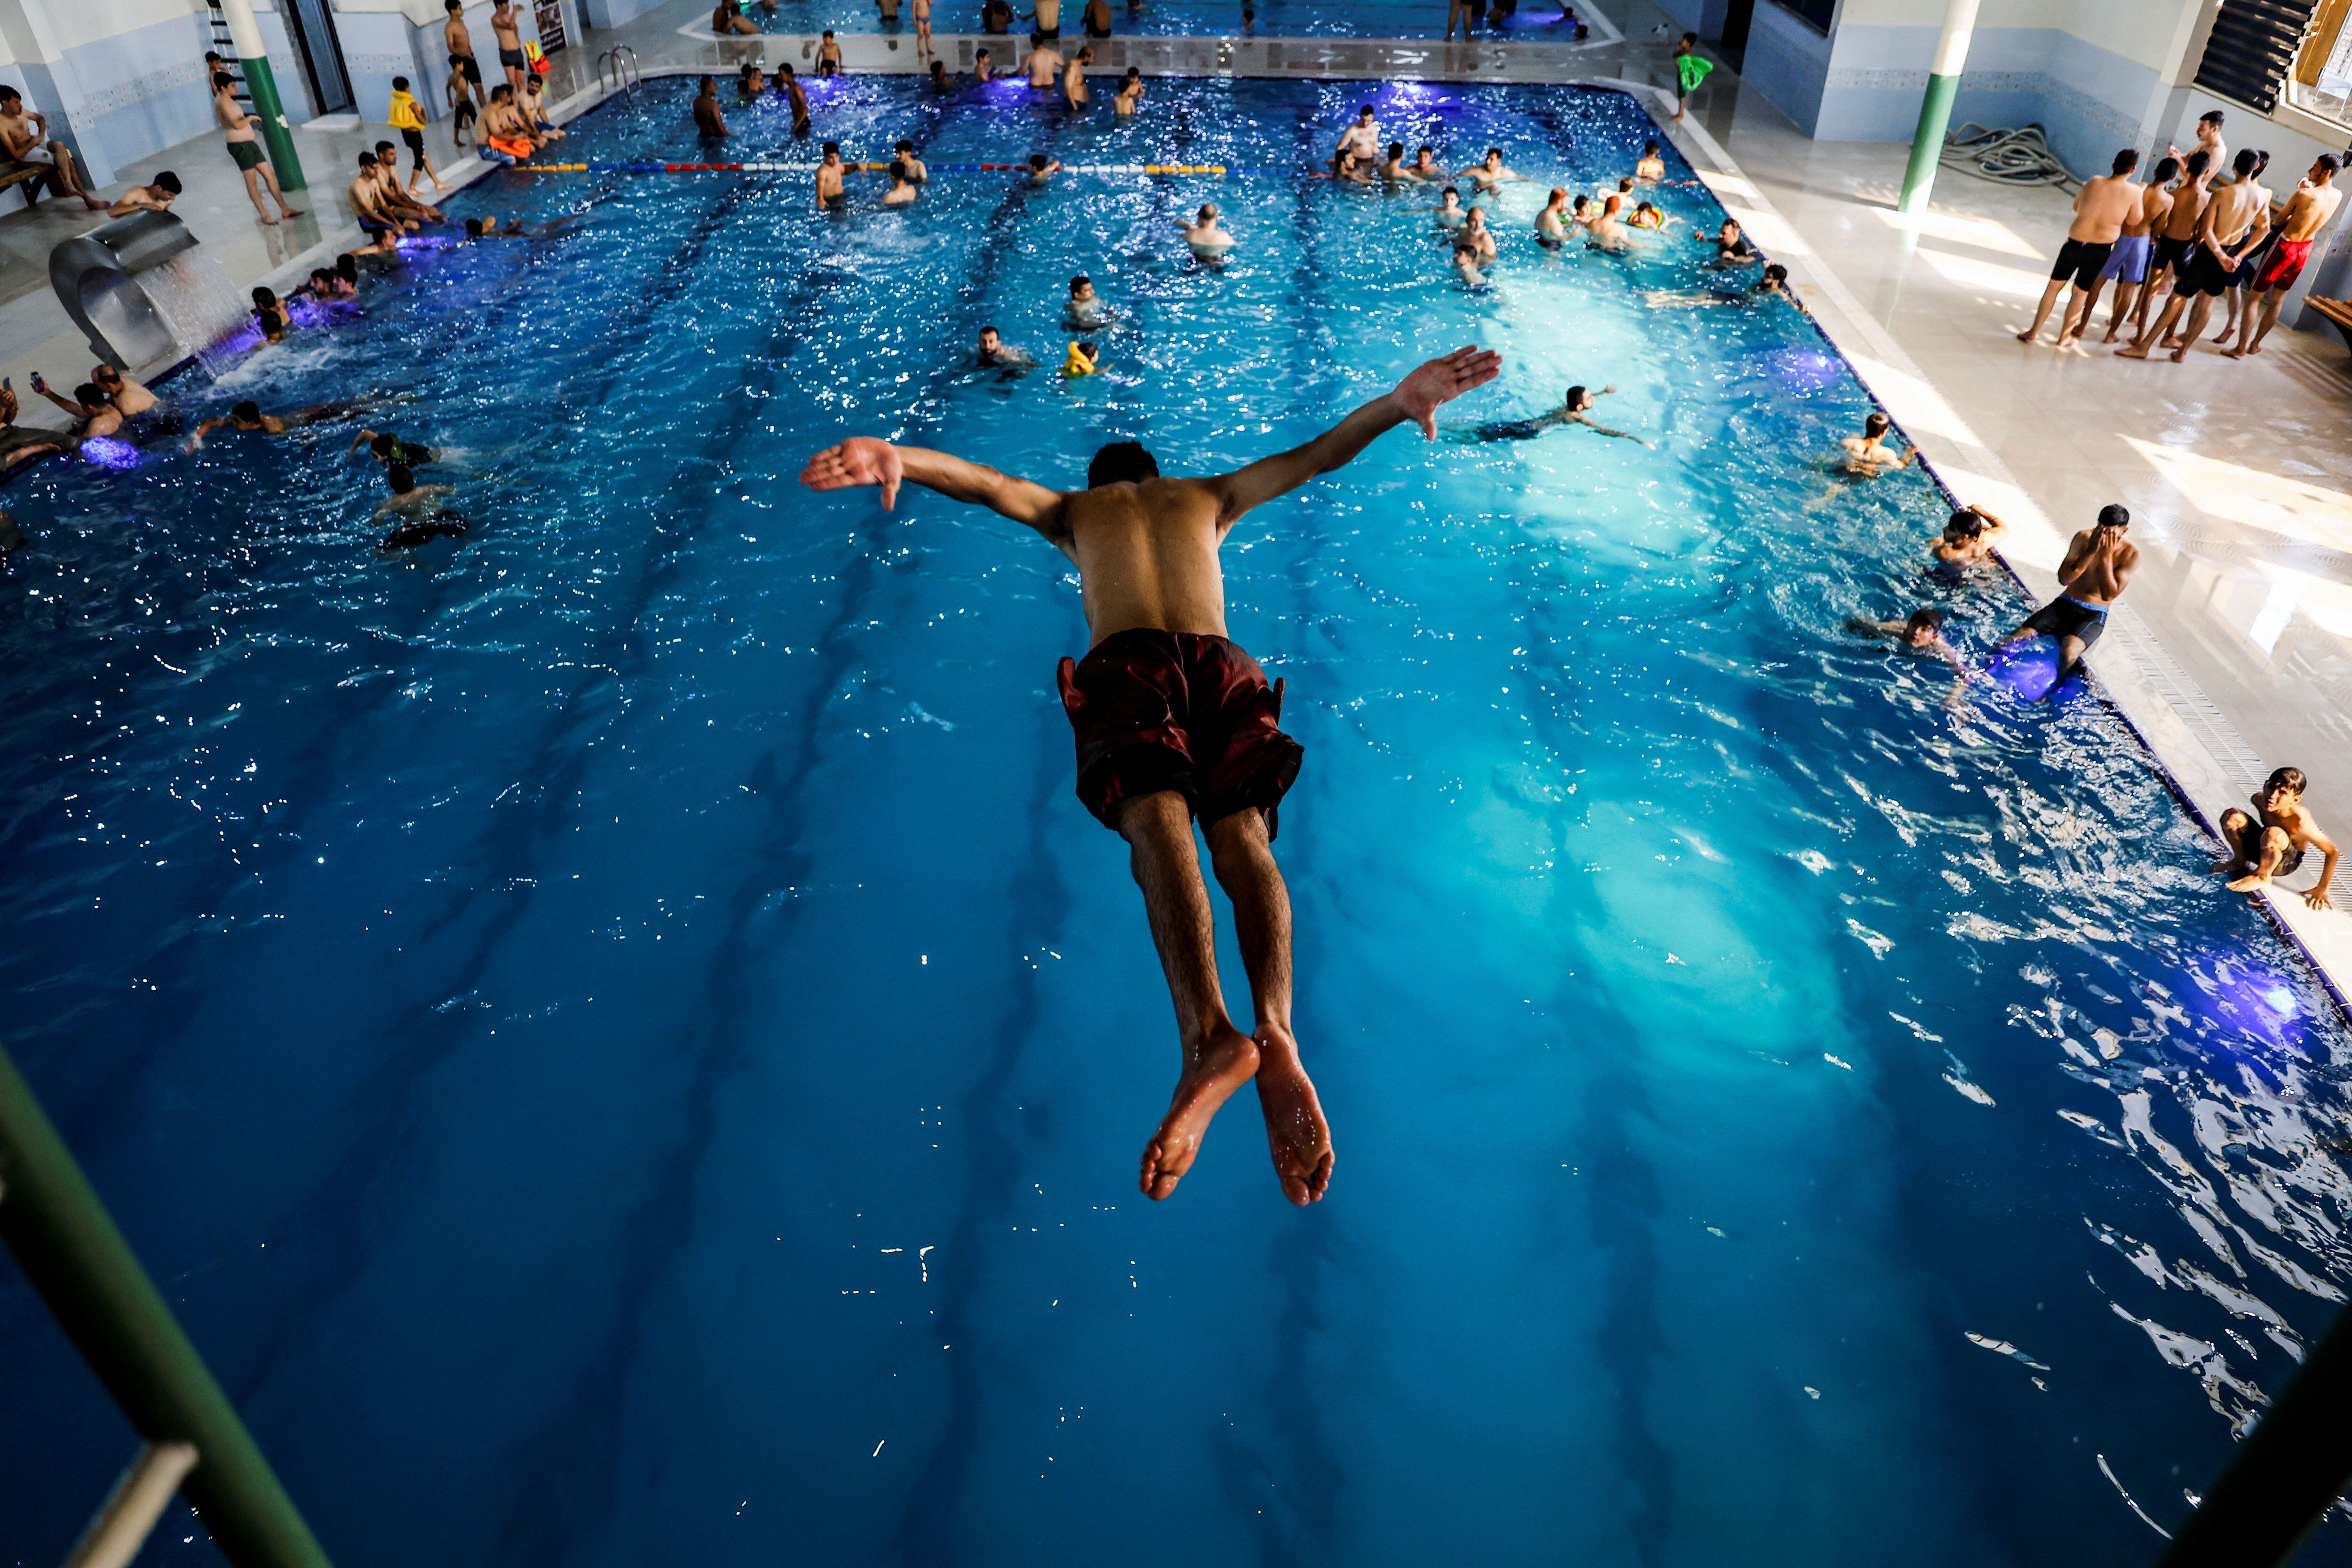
1175,721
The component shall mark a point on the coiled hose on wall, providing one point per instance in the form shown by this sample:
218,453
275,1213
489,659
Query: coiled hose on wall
2018,157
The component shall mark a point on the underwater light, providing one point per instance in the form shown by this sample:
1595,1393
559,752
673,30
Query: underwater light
108,453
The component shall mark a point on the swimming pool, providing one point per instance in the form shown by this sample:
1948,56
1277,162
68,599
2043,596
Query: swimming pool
616,1039
1544,20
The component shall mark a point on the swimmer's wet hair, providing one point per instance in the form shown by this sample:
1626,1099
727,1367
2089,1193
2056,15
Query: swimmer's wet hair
899,171
833,148
1876,424
264,298
1967,522
2165,171
249,411
1777,273
403,479
1396,149
2285,778
385,445
1451,191
168,180
1366,109
1080,281
1649,146
1926,620
1120,462
2113,516
1575,397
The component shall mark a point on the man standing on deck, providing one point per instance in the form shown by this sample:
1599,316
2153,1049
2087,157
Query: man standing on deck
2308,211
461,51
2097,568
1175,721
2102,207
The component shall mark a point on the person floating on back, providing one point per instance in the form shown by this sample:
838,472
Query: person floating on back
2098,567
1175,723
2266,848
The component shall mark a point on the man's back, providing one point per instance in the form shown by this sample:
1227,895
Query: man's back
2234,208
2101,208
1147,555
2308,212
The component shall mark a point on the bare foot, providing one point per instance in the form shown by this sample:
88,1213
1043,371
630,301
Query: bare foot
1228,1062
2068,340
1295,1128
2180,353
2028,337
267,219
2136,351
2109,338
2246,349
2246,884
291,212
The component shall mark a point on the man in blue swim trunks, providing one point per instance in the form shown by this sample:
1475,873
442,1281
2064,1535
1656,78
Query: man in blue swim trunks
1175,723
2098,566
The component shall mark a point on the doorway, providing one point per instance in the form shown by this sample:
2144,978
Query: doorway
313,29
1736,18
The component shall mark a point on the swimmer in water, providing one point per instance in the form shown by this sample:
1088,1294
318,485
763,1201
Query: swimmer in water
1775,282
1081,359
995,354
1466,261
247,417
271,315
1731,246
1474,230
1145,549
1968,543
1610,236
1129,97
1575,408
1490,172
1083,311
417,508
1651,168
1922,634
1207,241
903,188
1551,224
983,70
1869,455
1646,214
1041,168
384,449
917,170
828,178
1449,206
1425,167
1392,167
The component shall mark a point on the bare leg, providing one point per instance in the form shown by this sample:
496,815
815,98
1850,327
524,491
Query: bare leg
2234,299
2234,823
270,175
2160,281
2155,334
2078,311
2126,293
2197,315
68,180
253,189
2042,312
1295,1128
2271,299
2275,844
1218,1057
2070,656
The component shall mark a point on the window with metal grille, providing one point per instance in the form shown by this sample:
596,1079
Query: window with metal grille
2253,49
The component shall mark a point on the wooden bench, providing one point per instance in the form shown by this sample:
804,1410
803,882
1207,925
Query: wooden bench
29,177
2338,313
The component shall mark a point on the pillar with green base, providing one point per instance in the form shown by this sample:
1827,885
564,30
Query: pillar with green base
253,60
69,1248
1936,108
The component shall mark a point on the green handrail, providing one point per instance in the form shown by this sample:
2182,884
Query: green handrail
77,1259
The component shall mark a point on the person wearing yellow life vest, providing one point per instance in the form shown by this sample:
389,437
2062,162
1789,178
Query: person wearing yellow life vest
405,117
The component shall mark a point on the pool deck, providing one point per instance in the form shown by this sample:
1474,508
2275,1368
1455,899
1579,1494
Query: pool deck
2233,653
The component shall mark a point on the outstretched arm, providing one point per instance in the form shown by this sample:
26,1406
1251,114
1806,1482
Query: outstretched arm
864,460
1415,398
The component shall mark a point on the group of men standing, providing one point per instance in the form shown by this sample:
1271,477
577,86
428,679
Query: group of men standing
2202,230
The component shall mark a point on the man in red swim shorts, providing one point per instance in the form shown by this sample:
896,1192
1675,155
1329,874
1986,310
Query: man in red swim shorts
2308,211
1174,721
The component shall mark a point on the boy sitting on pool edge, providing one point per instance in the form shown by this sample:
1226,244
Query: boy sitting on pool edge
2274,847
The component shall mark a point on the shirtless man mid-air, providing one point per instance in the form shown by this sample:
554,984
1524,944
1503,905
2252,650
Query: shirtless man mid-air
1174,721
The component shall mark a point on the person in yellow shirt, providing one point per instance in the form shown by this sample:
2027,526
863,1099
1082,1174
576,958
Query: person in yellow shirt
406,118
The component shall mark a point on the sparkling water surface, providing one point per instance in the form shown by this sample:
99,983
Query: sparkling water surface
616,1038
1540,20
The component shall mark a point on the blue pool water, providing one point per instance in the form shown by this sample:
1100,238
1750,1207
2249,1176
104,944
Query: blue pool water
1549,20
617,1040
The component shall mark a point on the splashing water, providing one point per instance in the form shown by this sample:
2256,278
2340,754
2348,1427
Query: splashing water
194,295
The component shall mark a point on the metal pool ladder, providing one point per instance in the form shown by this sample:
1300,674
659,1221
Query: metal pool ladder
625,76
194,1442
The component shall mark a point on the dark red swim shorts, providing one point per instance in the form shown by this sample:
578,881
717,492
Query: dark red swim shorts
1177,711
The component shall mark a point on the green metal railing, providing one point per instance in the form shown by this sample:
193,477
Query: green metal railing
74,1256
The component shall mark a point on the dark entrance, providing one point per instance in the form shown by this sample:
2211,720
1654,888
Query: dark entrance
1736,19
313,29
